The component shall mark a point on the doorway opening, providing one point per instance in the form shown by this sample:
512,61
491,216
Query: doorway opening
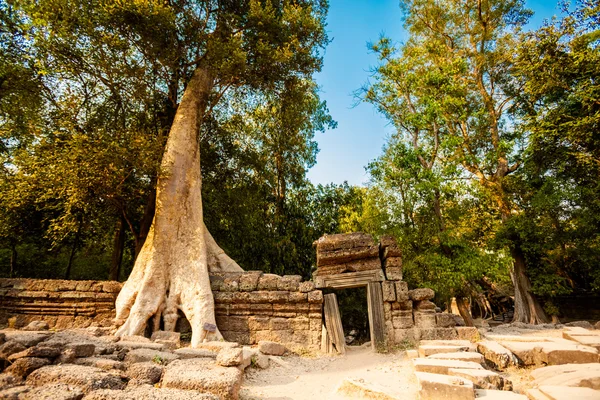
353,307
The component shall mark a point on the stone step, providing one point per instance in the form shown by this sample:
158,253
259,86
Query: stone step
586,340
462,343
550,353
427,350
460,355
535,394
354,388
438,387
496,354
576,375
569,393
489,394
482,378
436,366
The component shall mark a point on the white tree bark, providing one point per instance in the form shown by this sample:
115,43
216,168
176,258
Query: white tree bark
171,272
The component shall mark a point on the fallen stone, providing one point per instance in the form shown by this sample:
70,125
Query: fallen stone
550,353
24,366
569,393
36,351
580,324
421,294
445,320
461,356
489,394
27,339
85,378
261,361
427,350
135,338
436,366
217,346
144,355
589,340
358,388
81,349
203,375
147,392
577,375
141,345
55,391
13,393
437,387
469,333
496,355
482,378
105,364
9,348
9,380
230,357
187,352
271,348
171,339
36,326
144,373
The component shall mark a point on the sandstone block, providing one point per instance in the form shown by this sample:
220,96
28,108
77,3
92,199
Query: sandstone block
249,281
27,339
393,274
81,349
13,393
54,391
216,282
268,282
392,262
442,366
105,364
551,353
437,387
24,366
344,241
230,357
146,355
438,334
299,323
576,375
424,320
460,356
403,321
341,256
401,291
271,348
316,296
204,376
289,283
233,323
482,379
565,392
36,351
231,284
445,320
145,373
258,323
298,297
467,332
217,346
85,378
389,291
421,294
424,305
430,349
187,352
497,355
37,326
406,336
365,264
147,392
306,287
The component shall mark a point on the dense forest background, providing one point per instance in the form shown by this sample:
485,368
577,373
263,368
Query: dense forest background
492,177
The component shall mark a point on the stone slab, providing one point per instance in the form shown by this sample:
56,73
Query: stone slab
577,375
482,378
569,393
436,366
496,354
551,353
438,387
460,356
85,378
498,395
354,388
427,350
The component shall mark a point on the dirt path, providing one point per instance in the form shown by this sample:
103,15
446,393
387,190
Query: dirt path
318,378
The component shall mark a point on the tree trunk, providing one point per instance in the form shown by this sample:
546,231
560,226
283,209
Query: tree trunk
146,222
118,245
73,250
527,308
464,311
13,260
171,271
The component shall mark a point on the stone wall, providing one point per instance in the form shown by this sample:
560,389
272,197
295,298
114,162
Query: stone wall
61,303
253,306
249,306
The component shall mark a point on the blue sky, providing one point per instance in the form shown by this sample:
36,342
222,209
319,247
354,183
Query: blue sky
361,132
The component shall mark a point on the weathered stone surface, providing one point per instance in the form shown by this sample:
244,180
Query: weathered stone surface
392,250
271,348
386,241
354,388
231,283
363,264
569,393
187,352
392,262
144,355
445,320
490,394
85,378
36,351
403,320
437,387
55,391
402,292
205,376
496,354
217,346
105,364
344,241
81,349
27,339
147,392
13,393
306,287
441,366
230,357
262,361
9,380
268,282
389,291
289,283
141,345
249,281
580,324
438,334
393,273
481,378
424,305
164,335
551,353
24,366
36,326
461,356
580,375
469,333
421,294
427,350
424,320
145,373
316,296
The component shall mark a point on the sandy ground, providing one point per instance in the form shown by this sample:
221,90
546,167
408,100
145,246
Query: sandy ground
319,377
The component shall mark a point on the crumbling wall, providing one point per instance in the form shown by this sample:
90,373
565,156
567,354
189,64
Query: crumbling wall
249,306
